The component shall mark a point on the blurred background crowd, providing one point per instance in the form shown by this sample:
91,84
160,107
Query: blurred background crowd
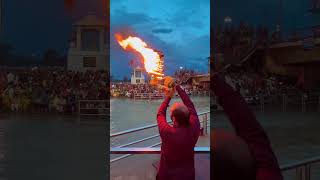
39,90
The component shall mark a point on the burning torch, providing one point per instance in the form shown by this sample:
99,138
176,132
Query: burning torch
153,60
158,79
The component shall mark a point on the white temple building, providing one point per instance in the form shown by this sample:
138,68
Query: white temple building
88,47
137,76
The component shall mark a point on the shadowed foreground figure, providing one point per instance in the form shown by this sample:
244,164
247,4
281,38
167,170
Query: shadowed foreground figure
248,154
179,140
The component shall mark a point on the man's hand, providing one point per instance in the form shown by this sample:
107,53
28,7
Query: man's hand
154,82
169,92
169,82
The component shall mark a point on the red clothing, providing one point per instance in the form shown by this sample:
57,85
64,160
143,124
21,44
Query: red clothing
177,148
249,129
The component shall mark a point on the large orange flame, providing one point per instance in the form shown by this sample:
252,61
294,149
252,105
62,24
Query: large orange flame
153,63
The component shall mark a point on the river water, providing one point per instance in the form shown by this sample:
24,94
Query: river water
68,147
294,135
129,113
52,147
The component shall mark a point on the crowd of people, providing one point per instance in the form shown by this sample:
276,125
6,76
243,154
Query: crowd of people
57,90
39,90
126,89
183,75
129,90
60,91
253,85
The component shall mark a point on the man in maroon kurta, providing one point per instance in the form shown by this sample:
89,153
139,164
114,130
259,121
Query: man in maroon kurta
265,164
178,141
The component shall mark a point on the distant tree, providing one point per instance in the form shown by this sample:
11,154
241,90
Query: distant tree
125,79
112,78
51,57
5,52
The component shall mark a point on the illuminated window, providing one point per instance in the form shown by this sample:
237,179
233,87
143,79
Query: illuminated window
89,62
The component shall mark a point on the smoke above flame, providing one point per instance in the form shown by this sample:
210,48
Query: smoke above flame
153,63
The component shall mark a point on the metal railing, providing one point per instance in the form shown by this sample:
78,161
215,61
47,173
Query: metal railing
93,107
149,96
153,150
203,121
301,100
303,168
286,100
151,126
200,93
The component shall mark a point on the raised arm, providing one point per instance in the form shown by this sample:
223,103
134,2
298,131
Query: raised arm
194,120
161,116
248,128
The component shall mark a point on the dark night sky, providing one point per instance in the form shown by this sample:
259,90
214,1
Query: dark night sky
265,12
35,25
179,28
